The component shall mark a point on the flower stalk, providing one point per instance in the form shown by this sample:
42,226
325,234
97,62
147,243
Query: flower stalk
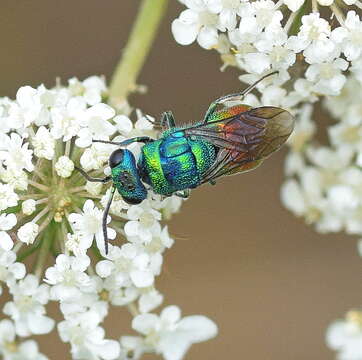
139,44
46,244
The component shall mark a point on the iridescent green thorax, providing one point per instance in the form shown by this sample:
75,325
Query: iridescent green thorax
175,162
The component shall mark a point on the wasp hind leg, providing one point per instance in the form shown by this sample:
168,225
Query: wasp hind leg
233,97
92,179
183,194
168,120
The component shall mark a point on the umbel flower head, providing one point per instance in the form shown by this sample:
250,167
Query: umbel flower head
48,208
316,47
312,50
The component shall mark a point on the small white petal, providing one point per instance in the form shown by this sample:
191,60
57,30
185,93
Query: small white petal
144,323
104,268
184,34
142,278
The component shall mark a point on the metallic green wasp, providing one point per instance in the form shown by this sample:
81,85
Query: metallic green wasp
232,138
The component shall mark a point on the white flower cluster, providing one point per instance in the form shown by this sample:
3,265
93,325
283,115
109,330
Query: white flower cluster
324,181
345,336
49,208
261,36
324,186
315,55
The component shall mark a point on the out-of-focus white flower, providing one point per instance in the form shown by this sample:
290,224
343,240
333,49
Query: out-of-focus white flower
345,336
160,242
10,349
325,185
10,270
93,188
91,89
294,5
350,36
132,347
150,301
261,36
196,23
171,335
114,290
227,11
327,77
86,337
27,308
7,222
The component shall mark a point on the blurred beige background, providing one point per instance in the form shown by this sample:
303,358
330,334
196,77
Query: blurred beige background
271,283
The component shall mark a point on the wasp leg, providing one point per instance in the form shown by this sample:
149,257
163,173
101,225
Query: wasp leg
210,110
104,219
212,182
152,121
234,97
245,91
168,120
143,139
183,194
92,179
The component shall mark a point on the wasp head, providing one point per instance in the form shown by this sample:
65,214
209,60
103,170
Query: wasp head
126,177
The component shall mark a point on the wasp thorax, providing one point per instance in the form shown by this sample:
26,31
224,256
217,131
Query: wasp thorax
116,158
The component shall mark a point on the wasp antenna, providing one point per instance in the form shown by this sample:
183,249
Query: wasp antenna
104,220
252,86
106,142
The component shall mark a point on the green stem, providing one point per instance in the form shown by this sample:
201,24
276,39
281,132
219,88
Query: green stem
28,251
96,252
294,29
142,35
46,244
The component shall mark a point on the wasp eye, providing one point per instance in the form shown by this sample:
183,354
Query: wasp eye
132,201
116,158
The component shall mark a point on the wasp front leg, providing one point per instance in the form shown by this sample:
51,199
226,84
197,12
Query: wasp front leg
183,194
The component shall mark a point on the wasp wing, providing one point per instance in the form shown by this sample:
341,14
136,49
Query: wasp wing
245,139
